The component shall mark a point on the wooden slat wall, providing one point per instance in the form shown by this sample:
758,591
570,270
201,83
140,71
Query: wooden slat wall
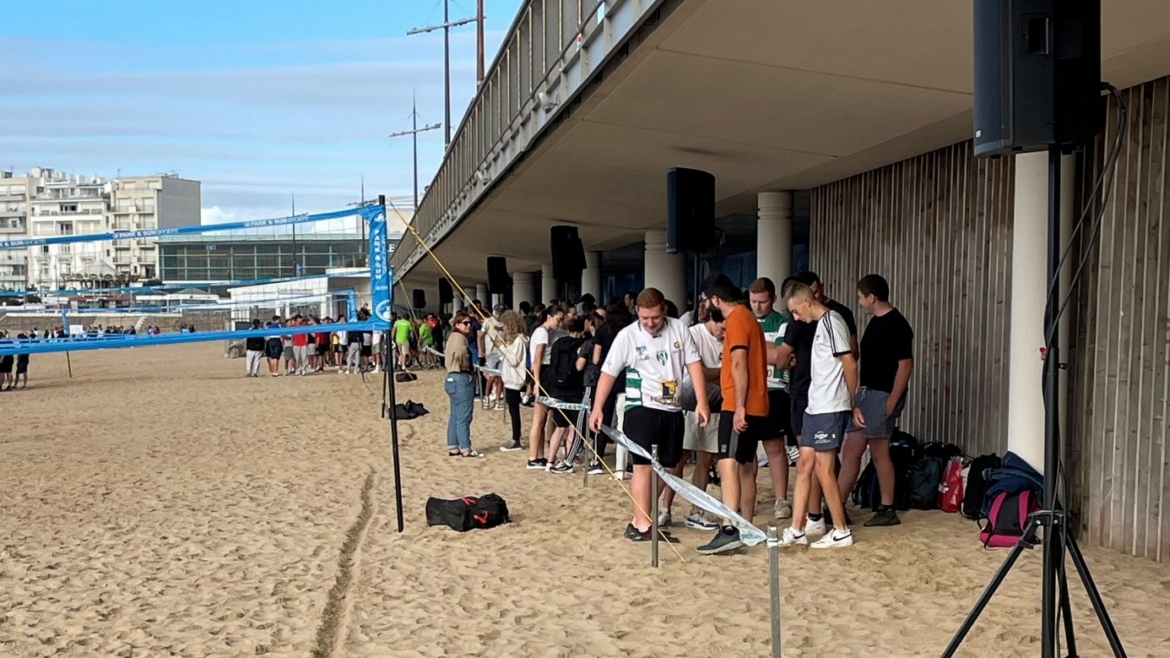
1120,380
938,227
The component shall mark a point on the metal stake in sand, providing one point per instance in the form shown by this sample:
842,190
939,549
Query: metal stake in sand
774,586
653,511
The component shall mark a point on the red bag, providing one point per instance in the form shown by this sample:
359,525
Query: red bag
950,488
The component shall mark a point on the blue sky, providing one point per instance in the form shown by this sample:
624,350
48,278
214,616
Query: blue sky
256,99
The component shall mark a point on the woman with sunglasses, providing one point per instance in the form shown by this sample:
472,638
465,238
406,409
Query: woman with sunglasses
460,386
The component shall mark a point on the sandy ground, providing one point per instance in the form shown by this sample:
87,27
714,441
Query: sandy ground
159,503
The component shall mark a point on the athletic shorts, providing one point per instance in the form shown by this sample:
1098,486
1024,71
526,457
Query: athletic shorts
367,350
288,353
798,405
701,439
740,445
322,348
824,432
273,348
21,367
873,408
648,427
779,415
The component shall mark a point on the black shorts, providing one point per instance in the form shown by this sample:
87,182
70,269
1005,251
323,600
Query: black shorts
740,445
322,348
273,348
367,350
647,427
779,415
21,367
799,404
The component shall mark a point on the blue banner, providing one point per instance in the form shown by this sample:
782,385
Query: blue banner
380,295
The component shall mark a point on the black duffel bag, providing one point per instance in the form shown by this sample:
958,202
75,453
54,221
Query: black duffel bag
469,512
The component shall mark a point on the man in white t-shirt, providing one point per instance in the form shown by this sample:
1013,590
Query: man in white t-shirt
830,406
708,337
655,352
491,340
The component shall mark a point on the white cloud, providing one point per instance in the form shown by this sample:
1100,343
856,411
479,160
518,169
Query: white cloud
217,215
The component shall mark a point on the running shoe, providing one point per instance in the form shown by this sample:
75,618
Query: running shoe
511,446
835,539
725,540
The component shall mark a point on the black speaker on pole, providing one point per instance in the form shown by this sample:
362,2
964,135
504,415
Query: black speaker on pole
1037,74
419,298
690,211
499,282
446,294
566,253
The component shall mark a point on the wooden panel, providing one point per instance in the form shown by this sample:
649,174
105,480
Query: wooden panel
938,228
1120,373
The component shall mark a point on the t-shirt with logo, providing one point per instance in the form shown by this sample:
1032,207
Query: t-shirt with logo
774,325
827,392
493,338
653,363
745,332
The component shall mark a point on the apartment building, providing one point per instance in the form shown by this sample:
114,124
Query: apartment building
62,204
13,224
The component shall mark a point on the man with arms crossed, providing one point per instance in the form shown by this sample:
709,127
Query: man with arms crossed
653,352
888,347
743,420
830,401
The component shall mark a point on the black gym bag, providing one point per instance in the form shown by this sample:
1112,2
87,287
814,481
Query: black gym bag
468,513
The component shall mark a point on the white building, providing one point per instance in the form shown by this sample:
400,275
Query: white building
13,225
62,204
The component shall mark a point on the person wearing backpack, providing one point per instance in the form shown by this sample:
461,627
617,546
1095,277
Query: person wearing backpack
887,360
566,382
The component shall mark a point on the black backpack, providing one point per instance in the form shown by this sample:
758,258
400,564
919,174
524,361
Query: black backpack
469,512
903,452
975,495
926,473
563,364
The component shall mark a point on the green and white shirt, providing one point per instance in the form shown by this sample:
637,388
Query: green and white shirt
774,325
654,363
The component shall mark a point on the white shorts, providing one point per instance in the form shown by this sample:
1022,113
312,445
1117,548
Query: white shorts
702,439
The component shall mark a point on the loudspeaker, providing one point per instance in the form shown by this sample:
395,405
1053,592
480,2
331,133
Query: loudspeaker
446,294
420,298
1037,74
566,253
499,283
690,211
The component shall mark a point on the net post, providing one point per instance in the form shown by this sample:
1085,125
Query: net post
653,509
774,586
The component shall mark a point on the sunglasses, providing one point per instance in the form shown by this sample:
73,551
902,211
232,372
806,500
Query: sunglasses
465,322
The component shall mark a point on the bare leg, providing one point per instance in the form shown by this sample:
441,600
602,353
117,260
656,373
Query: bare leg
826,463
536,434
747,489
640,490
554,443
729,479
851,454
677,471
879,451
777,467
802,490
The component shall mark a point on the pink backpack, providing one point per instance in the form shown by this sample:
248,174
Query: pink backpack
1007,518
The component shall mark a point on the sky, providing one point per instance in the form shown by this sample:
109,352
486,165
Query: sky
258,100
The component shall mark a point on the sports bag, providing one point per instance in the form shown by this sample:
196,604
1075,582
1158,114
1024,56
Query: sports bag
1007,518
468,513
977,484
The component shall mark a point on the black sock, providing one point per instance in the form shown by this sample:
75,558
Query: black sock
814,517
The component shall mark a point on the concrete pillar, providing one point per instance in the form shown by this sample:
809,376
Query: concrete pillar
666,272
774,236
1029,287
591,277
548,285
457,304
481,293
523,289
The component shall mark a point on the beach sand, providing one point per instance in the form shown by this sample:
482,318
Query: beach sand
159,503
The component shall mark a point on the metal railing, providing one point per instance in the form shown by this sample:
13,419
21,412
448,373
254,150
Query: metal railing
546,37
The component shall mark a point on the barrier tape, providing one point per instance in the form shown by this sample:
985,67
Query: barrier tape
554,403
748,533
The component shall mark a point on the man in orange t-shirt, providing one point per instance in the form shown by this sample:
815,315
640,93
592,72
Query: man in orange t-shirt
743,421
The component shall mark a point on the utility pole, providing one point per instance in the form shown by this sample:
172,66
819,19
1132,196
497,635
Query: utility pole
294,235
413,132
446,26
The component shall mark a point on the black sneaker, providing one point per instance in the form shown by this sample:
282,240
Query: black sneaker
561,467
726,540
537,464
634,535
829,517
511,446
885,516
595,468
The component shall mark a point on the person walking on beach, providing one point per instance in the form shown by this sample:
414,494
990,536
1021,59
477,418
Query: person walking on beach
654,352
830,403
460,387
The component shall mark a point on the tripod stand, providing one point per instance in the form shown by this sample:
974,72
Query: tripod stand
1053,517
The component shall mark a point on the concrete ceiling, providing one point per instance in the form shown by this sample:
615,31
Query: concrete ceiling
766,95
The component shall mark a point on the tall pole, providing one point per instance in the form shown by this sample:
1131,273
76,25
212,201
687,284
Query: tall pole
446,26
361,220
294,233
413,132
479,43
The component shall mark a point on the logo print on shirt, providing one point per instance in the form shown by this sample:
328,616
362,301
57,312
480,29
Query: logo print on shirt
663,357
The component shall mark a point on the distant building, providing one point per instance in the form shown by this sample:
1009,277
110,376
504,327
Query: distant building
46,203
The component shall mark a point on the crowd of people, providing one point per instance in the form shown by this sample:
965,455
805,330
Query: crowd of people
301,353
778,368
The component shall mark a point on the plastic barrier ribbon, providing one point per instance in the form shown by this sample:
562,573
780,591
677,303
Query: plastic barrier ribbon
554,403
748,532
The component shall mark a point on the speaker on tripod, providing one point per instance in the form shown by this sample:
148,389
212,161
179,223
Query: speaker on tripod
446,294
499,281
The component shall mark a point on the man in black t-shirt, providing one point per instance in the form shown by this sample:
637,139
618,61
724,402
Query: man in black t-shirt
888,361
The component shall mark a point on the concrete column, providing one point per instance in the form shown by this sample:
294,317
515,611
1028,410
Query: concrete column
548,285
523,289
774,236
591,277
481,293
666,272
1029,287
456,304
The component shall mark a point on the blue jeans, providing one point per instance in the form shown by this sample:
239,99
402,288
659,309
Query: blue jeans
461,390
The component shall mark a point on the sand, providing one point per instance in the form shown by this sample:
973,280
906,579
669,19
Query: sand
159,503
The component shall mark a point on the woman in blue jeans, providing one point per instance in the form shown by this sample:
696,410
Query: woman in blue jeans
460,386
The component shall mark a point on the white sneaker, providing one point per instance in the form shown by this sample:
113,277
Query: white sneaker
783,509
835,539
814,527
793,455
793,537
664,519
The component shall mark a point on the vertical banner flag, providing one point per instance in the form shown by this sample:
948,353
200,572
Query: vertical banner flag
379,272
